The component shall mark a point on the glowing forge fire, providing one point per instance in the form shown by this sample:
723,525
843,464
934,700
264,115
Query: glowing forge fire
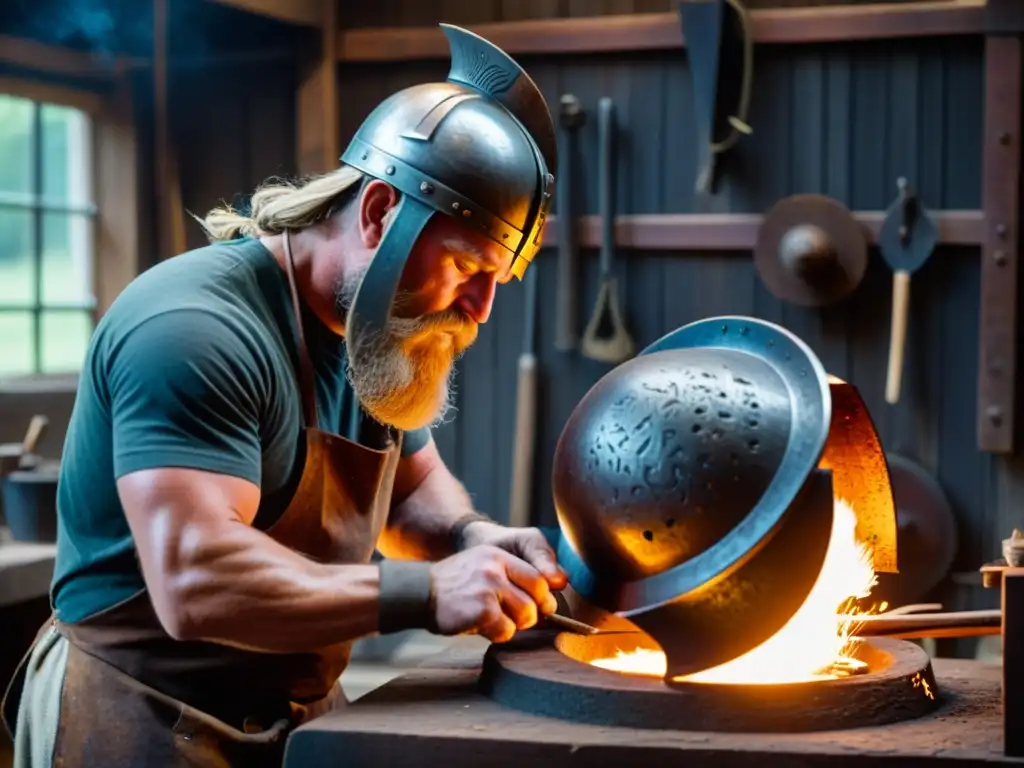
813,645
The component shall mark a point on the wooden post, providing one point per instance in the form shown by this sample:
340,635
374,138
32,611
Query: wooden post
1012,603
117,189
170,213
317,129
1000,191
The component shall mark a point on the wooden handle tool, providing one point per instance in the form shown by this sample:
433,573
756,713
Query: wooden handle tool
898,339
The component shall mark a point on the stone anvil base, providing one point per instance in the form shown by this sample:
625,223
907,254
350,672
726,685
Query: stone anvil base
435,716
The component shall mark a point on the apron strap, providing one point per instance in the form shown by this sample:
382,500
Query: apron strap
307,377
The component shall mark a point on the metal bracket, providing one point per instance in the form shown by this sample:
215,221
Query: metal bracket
1004,17
1001,158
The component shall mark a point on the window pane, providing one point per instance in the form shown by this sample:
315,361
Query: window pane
16,144
65,340
16,337
67,258
17,265
67,161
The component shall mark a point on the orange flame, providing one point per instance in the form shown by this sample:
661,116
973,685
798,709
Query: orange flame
812,645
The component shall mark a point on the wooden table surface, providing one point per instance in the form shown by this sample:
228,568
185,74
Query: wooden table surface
25,571
435,716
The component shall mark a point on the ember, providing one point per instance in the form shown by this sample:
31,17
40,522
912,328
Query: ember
813,645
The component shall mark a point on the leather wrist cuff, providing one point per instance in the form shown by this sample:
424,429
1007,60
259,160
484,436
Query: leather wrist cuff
459,527
405,596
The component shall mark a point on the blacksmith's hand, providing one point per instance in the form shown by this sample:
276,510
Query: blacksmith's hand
527,543
487,591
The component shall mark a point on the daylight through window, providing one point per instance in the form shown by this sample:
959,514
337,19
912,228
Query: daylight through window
47,237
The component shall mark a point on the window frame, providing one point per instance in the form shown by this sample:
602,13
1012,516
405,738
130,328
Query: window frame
115,182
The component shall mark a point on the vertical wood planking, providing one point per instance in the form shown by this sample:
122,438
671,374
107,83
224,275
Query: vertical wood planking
843,120
823,328
271,131
917,426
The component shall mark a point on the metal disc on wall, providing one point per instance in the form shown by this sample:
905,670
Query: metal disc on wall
810,250
926,536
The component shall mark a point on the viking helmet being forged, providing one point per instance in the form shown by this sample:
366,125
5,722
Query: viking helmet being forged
695,487
479,147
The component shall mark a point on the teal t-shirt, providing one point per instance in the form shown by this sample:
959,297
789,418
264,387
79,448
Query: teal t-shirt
194,365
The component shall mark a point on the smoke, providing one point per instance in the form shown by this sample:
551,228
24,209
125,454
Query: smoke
196,28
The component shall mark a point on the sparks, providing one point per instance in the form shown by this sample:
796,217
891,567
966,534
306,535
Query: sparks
813,645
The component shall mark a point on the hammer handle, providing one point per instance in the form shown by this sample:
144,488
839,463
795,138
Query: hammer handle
525,442
898,340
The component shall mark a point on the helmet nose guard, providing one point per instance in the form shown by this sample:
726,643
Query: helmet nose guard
479,148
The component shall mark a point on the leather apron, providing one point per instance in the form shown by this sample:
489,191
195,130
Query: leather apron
134,696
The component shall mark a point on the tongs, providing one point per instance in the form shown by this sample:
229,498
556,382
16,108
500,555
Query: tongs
921,620
917,620
580,627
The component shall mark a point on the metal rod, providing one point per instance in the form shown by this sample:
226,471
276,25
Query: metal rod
37,243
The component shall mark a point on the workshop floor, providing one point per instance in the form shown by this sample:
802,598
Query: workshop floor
359,679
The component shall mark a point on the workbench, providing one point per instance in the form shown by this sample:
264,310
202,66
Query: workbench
25,571
435,716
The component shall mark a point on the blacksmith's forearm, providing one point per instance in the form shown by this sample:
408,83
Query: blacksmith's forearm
237,586
420,527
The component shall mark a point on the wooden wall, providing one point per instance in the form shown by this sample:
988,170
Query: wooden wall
843,120
234,127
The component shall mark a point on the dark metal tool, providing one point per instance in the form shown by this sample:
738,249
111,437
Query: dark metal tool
917,625
712,30
571,118
907,238
598,343
582,628
810,250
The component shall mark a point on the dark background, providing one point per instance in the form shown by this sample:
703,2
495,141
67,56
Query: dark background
840,119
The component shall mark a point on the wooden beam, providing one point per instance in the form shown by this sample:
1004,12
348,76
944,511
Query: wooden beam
306,13
90,102
736,231
660,31
117,196
318,134
1000,192
171,235
55,59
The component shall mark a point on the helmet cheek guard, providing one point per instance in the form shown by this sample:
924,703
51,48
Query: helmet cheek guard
478,147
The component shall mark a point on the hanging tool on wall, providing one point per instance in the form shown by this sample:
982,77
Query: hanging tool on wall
525,445
810,250
907,238
606,338
571,118
720,50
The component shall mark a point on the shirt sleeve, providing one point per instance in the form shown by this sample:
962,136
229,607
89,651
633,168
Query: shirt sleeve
415,440
186,390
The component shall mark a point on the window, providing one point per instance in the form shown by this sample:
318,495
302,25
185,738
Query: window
47,236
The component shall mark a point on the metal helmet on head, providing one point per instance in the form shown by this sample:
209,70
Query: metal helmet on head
479,147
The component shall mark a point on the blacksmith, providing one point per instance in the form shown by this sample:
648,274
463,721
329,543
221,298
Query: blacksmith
253,421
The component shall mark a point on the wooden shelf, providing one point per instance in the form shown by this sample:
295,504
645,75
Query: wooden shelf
659,31
737,231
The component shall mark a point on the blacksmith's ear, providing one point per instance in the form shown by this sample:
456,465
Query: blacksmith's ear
377,198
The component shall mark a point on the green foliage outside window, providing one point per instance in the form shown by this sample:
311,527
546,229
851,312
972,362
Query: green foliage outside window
47,237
